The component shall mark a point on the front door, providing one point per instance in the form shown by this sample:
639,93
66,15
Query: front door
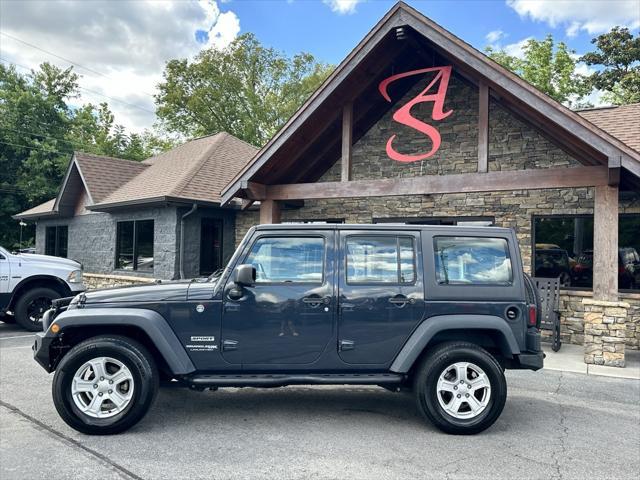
381,294
210,245
5,274
286,318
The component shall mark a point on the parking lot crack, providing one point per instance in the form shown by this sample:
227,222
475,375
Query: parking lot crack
122,471
561,452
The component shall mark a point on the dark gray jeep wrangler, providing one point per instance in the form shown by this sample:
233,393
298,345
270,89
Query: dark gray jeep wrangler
439,310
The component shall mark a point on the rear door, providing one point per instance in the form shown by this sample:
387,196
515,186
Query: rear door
381,295
286,318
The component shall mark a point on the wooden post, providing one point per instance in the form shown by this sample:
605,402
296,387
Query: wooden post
347,139
483,128
605,244
269,211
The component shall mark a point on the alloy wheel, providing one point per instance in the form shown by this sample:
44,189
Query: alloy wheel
463,390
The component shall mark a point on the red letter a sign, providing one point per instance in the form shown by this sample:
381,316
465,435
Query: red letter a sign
403,114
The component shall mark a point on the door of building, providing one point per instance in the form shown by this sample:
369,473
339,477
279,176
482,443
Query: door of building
210,245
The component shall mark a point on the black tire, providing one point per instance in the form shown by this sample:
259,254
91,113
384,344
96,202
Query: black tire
426,379
145,383
37,298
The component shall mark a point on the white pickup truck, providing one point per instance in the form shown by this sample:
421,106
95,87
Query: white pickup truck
28,284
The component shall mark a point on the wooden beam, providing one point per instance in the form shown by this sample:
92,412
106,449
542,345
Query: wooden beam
483,128
615,164
253,190
605,243
436,184
246,204
269,211
347,140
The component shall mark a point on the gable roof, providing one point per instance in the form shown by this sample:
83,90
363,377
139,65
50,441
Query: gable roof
334,92
196,170
104,175
623,122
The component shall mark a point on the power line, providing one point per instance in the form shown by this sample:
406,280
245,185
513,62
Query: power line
86,89
62,58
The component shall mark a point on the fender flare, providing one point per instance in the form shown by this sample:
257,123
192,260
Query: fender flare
150,322
434,325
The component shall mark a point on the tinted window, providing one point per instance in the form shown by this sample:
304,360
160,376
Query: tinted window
56,240
472,261
293,259
380,259
134,245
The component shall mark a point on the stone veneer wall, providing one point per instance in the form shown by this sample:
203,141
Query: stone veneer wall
572,312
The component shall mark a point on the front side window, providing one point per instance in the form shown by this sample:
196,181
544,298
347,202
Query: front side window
472,261
288,259
134,245
380,259
56,240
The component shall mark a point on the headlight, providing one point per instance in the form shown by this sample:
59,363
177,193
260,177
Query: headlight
75,277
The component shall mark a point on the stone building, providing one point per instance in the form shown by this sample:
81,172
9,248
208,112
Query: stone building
414,126
159,218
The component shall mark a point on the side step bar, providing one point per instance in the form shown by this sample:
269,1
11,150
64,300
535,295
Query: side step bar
280,380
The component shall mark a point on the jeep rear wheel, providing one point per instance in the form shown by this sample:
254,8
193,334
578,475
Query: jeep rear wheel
31,306
460,388
105,385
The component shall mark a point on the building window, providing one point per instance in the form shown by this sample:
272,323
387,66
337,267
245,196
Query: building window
134,245
380,259
462,221
472,261
563,248
288,259
56,240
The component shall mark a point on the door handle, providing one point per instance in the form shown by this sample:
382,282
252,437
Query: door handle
229,345
315,301
401,300
345,345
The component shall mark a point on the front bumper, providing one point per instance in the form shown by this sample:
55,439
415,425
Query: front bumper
42,351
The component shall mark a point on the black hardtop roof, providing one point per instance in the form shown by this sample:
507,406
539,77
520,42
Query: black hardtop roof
382,226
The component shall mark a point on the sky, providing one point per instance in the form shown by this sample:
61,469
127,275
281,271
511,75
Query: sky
120,47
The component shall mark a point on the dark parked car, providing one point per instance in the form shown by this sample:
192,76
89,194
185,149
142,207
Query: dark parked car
439,310
628,269
553,263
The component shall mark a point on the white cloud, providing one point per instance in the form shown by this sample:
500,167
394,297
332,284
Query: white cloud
517,49
342,7
129,43
495,36
594,16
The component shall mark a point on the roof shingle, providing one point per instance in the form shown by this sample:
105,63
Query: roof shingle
623,122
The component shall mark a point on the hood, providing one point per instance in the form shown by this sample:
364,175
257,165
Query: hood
144,293
32,258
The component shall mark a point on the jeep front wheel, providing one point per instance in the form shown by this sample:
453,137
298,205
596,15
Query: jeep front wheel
30,307
460,388
105,385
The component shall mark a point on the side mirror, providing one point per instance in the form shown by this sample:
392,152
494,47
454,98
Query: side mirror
245,275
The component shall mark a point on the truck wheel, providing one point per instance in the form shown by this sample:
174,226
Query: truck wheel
460,388
105,385
31,306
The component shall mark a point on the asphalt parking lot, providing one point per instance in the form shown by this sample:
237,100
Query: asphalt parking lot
555,425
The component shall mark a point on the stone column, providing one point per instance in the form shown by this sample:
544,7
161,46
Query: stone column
604,332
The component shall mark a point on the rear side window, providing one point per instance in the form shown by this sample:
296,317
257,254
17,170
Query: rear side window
380,259
472,261
288,259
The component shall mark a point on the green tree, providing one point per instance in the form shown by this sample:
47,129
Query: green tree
549,67
246,89
618,55
39,132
